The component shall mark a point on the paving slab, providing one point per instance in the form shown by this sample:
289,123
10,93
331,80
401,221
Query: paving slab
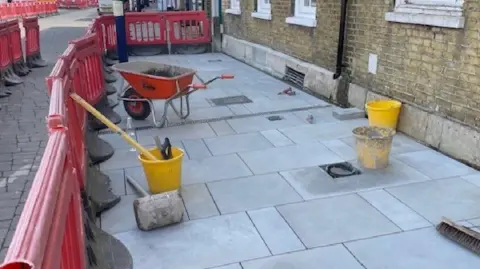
183,132
453,198
196,244
276,138
423,248
288,158
314,182
198,201
237,143
196,149
335,220
230,266
121,217
253,192
221,128
117,181
261,123
122,158
473,178
333,257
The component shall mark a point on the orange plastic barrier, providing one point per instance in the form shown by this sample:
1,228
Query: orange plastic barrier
24,9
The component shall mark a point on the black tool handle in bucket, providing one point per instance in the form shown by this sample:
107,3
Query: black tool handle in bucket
165,148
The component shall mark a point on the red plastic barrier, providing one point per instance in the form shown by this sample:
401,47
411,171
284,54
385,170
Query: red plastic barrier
188,27
145,28
5,59
87,52
32,38
106,28
15,41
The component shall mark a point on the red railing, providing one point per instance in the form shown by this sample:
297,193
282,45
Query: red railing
15,41
5,58
23,9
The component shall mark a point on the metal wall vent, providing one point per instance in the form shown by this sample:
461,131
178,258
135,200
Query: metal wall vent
294,76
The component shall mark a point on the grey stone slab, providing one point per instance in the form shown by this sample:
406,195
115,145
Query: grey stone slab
276,233
276,138
196,149
288,158
116,141
221,128
230,266
117,178
239,110
122,158
183,132
210,113
341,148
261,123
253,192
396,211
196,244
268,105
121,217
322,131
198,201
424,248
313,182
348,113
335,220
237,143
473,178
434,164
453,198
213,168
332,257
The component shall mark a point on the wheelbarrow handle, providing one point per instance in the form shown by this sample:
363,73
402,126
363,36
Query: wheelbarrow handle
198,86
227,76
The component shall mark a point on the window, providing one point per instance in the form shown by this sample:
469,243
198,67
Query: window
442,13
304,13
234,7
263,10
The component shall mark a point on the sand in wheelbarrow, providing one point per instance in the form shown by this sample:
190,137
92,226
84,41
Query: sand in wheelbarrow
167,73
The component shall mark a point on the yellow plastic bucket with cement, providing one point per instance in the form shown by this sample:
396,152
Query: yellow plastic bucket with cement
163,175
373,145
383,113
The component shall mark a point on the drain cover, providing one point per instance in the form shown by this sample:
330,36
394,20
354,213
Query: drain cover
274,118
338,170
214,61
231,100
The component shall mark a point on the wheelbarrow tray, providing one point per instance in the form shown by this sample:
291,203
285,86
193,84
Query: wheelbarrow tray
174,78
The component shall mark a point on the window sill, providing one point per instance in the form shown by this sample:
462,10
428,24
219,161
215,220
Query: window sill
262,15
307,22
233,11
448,17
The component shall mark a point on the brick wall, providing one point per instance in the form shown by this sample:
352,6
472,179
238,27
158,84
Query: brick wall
435,68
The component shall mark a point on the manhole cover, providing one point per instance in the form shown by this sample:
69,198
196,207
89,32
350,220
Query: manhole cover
274,118
231,100
338,170
214,61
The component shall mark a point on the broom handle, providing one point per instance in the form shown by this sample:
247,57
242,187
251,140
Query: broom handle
112,126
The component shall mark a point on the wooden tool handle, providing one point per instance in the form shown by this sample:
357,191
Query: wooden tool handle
112,126
137,186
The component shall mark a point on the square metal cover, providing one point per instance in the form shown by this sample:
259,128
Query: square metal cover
339,170
274,118
231,100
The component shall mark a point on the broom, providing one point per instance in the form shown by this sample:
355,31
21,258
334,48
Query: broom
460,234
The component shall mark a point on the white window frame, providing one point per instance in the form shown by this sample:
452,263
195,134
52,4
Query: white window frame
303,15
234,7
441,13
264,10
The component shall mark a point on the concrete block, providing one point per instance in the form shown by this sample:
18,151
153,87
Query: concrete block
433,132
321,81
259,55
348,113
357,96
460,142
276,63
413,121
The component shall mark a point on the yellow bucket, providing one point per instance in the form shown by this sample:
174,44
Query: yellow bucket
163,175
383,113
373,145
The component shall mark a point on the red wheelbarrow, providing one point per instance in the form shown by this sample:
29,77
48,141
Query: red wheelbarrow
155,81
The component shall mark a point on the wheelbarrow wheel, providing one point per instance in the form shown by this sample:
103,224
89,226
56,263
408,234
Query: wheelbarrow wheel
137,110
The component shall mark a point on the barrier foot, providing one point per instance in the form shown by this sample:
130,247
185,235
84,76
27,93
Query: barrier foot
98,149
112,55
21,69
100,191
113,103
107,111
107,61
11,79
110,89
36,61
4,92
109,78
107,68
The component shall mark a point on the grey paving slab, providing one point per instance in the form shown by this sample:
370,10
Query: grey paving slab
335,220
423,248
198,202
434,164
183,132
261,123
323,131
333,257
116,141
237,143
213,168
348,113
288,158
473,178
196,149
276,233
253,192
268,105
196,244
121,217
239,109
341,148
117,182
221,128
400,214
453,198
320,115
122,158
276,138
313,182
230,266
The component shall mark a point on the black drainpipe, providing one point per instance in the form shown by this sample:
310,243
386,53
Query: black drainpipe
341,39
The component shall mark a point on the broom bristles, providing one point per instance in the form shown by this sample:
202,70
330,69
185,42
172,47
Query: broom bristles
462,235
